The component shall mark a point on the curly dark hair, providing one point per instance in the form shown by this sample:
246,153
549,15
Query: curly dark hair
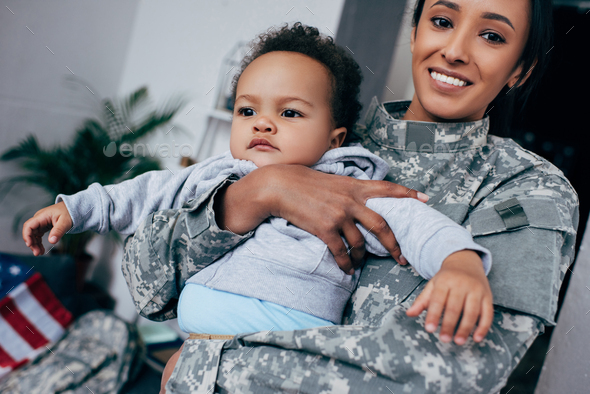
307,40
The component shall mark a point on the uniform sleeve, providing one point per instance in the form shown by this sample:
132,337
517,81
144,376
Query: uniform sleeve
426,236
169,247
529,224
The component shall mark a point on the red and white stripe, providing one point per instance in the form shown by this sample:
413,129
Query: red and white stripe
31,317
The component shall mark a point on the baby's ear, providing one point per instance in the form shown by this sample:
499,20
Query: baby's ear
337,137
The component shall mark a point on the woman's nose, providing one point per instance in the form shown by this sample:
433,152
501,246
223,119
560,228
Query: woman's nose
456,48
264,125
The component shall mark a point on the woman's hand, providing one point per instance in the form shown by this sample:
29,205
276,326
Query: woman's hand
460,287
325,205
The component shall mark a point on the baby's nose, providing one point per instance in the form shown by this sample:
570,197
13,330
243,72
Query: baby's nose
264,125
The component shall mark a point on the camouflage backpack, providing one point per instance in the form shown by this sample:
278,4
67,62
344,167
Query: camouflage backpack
97,354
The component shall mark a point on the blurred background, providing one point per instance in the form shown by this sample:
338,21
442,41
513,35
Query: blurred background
62,59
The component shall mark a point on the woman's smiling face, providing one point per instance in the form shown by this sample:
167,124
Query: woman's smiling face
463,53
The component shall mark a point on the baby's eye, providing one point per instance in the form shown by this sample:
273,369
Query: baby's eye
289,113
246,112
493,38
441,23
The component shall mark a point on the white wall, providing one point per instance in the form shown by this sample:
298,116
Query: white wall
36,96
172,47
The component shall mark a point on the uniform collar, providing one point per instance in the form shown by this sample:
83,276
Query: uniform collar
385,127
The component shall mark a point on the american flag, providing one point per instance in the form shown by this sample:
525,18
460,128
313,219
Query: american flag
31,317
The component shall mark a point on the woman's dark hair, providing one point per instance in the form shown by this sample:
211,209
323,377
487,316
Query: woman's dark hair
538,45
345,72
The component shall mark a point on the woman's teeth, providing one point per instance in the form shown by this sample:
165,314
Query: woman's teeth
446,79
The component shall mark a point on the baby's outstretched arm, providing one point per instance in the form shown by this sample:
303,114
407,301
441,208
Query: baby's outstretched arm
122,207
55,218
461,289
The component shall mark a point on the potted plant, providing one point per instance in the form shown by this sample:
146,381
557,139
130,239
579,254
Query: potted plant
91,157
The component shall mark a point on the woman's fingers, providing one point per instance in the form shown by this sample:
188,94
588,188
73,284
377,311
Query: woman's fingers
376,225
356,245
325,205
338,249
377,189
353,256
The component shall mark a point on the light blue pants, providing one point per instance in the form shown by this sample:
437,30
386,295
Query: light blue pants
208,311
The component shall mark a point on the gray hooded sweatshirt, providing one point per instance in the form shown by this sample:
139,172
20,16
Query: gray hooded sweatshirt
280,262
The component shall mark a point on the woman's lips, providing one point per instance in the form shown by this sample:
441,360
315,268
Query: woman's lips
448,76
261,144
447,83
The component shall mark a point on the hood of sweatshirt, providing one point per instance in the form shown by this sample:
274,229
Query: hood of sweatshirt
352,160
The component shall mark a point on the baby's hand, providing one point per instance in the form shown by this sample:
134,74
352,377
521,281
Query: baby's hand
459,287
55,218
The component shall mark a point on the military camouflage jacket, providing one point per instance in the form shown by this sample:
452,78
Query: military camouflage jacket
514,202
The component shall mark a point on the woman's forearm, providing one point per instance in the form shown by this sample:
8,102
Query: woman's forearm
242,206
325,205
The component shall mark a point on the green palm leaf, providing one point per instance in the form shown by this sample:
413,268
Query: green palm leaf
135,100
154,120
29,147
72,168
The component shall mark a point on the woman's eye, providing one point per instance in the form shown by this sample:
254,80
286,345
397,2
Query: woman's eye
246,112
289,113
493,37
442,23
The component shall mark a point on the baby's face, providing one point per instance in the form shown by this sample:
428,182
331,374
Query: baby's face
282,113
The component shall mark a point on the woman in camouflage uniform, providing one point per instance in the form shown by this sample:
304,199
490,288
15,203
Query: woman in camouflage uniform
472,61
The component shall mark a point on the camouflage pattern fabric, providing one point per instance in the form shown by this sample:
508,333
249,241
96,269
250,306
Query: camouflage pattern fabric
468,176
168,248
395,354
98,354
